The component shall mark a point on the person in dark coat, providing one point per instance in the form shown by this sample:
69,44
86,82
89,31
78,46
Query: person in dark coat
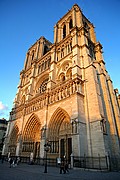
15,162
62,167
66,167
2,159
10,161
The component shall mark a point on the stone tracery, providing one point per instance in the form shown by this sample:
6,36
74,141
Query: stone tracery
31,135
59,126
13,140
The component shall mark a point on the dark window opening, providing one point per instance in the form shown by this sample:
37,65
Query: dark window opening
62,53
70,24
33,55
85,25
46,49
63,78
64,31
62,147
91,49
87,32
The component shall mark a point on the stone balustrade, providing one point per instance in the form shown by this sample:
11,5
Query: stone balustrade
58,93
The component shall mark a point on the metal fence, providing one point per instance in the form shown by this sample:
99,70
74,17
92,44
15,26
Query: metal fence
36,161
114,163
41,161
101,163
85,162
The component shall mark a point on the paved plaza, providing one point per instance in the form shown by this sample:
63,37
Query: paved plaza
36,172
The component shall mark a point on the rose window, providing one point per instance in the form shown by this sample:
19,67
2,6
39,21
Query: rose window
43,86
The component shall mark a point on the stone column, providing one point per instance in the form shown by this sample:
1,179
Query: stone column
74,17
72,160
56,33
37,51
41,49
42,142
59,33
18,149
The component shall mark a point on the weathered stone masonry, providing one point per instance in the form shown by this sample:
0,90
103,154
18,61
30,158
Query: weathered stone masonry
66,96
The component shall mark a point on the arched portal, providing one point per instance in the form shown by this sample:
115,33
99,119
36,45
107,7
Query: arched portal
59,134
13,140
31,137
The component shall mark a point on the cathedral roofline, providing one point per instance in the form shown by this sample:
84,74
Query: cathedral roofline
75,5
41,38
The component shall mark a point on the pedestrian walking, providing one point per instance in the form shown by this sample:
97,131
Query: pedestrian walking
66,167
2,159
62,167
15,162
18,160
10,162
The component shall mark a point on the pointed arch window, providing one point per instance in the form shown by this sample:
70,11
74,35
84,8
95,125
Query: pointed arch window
64,31
32,55
91,49
70,24
46,49
62,52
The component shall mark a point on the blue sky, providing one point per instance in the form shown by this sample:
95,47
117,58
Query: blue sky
22,22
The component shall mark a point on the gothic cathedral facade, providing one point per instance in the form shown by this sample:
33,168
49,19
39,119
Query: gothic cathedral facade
65,96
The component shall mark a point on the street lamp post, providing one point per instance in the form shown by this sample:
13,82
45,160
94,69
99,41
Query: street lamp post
46,149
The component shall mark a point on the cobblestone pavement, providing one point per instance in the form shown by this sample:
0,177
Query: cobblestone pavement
36,172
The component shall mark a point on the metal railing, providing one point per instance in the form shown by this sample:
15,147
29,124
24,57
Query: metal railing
36,161
101,163
85,162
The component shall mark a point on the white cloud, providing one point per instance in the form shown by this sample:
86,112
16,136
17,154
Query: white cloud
3,107
4,111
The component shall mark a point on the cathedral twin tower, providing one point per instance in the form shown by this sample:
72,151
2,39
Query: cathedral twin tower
65,96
